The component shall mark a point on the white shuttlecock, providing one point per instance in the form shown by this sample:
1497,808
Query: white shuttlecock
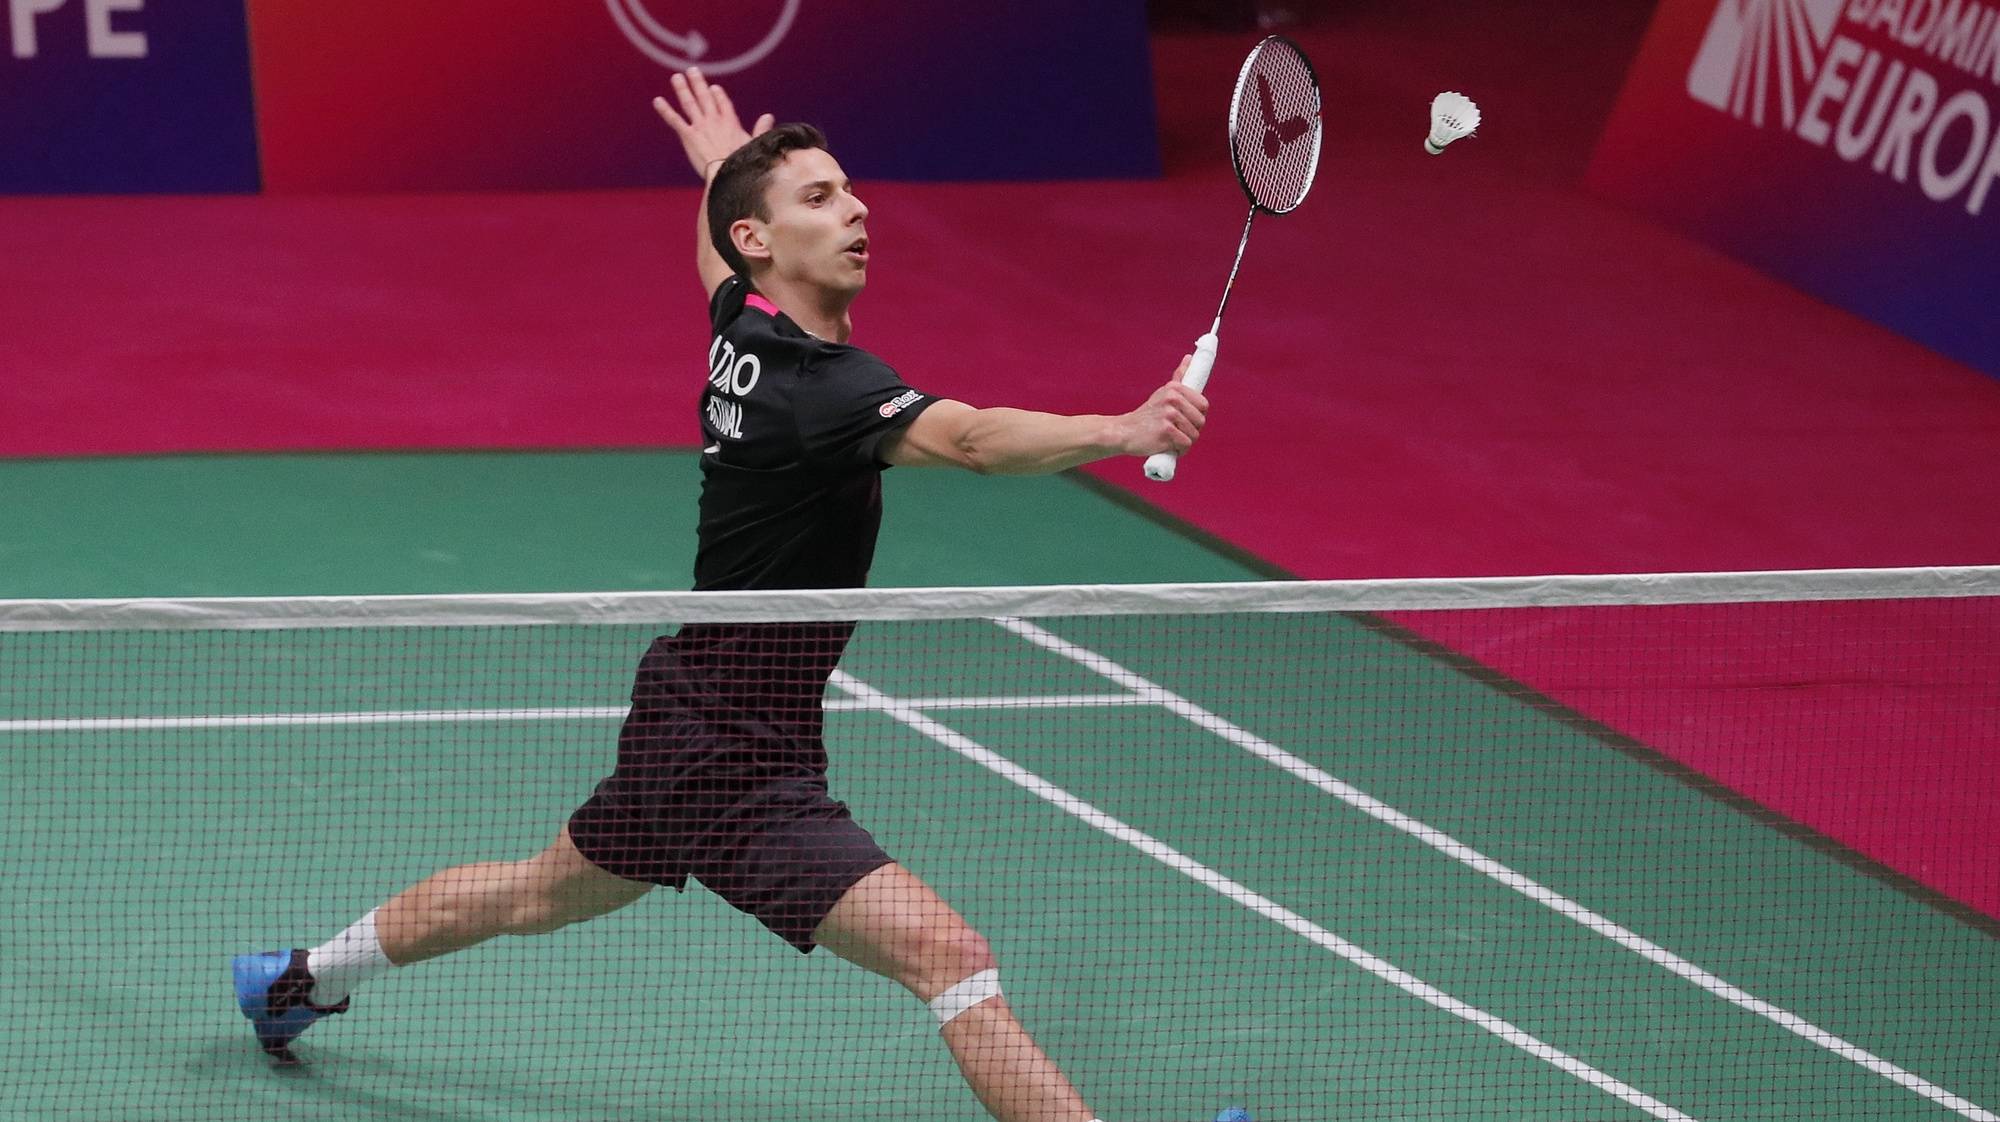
1452,115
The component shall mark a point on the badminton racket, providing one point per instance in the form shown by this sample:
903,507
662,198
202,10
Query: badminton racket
1274,127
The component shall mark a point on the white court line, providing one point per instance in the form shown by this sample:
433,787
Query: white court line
875,699
579,713
1026,701
271,720
1473,859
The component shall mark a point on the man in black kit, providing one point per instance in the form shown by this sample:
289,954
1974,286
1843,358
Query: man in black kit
721,769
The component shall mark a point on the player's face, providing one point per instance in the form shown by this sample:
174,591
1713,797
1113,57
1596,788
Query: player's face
818,231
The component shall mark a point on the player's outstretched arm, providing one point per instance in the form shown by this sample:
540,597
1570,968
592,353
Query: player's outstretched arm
1021,442
709,130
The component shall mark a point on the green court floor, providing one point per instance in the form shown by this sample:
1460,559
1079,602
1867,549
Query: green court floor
1313,872
512,522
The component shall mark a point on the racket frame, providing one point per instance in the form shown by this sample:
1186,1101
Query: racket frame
1160,466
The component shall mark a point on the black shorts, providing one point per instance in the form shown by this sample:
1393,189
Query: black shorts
707,788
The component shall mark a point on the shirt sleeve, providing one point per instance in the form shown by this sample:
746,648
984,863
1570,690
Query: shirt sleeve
727,303
847,402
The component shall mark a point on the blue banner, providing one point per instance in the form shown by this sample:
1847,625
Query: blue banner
114,96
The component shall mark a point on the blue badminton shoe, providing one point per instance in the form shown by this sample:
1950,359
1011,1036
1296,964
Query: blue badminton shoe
1233,1114
274,990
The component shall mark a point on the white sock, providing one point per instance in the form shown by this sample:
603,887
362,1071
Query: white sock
345,961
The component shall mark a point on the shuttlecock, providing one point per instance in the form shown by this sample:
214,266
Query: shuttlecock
1452,115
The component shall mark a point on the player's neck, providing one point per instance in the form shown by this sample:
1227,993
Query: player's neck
821,313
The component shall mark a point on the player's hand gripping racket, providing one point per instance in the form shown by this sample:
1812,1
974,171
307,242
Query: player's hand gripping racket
1274,145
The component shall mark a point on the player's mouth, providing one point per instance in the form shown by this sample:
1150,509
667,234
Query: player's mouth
857,251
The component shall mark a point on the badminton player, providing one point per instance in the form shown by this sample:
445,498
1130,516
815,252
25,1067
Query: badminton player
721,768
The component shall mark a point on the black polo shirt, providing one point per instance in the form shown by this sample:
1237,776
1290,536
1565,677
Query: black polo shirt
791,497
791,489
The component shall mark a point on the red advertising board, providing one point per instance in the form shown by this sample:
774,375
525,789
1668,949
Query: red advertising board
462,94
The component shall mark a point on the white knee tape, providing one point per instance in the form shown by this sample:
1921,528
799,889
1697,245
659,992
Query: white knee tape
983,986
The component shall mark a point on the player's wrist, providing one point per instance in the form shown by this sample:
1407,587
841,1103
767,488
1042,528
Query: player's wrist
1121,435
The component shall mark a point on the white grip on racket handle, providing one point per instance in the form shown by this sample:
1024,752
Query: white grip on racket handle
1160,465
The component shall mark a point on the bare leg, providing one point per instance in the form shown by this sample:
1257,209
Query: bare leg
460,907
893,924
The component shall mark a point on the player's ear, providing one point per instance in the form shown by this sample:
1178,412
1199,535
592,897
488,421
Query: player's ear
748,238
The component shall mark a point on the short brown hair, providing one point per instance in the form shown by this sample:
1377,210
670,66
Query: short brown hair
737,191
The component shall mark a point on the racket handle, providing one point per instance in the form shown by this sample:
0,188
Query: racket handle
1160,465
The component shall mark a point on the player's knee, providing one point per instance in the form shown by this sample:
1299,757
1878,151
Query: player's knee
964,976
945,956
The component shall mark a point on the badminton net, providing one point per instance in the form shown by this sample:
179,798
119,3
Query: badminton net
1701,846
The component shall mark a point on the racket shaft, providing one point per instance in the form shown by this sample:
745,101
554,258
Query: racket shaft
1160,465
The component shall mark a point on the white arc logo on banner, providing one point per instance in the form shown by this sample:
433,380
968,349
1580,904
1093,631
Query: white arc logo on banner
677,51
1755,45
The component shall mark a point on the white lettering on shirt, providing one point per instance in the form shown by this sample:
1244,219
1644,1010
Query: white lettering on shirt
726,417
730,372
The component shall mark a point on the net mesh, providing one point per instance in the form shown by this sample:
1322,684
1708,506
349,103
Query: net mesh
1274,129
1432,850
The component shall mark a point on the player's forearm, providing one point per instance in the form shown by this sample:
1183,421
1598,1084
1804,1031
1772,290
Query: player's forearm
1022,442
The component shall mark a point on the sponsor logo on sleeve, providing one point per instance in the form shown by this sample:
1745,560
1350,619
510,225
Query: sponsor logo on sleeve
899,403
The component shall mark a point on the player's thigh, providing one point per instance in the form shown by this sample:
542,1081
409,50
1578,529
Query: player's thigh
894,924
573,888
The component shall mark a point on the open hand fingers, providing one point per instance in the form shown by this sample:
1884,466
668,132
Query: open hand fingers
694,101
705,95
720,101
764,124
674,120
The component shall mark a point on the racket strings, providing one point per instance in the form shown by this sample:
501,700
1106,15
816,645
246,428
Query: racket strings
1275,130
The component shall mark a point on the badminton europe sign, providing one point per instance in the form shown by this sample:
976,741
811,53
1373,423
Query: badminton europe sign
1851,147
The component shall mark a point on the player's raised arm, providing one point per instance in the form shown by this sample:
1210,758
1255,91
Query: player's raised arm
709,130
1022,442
